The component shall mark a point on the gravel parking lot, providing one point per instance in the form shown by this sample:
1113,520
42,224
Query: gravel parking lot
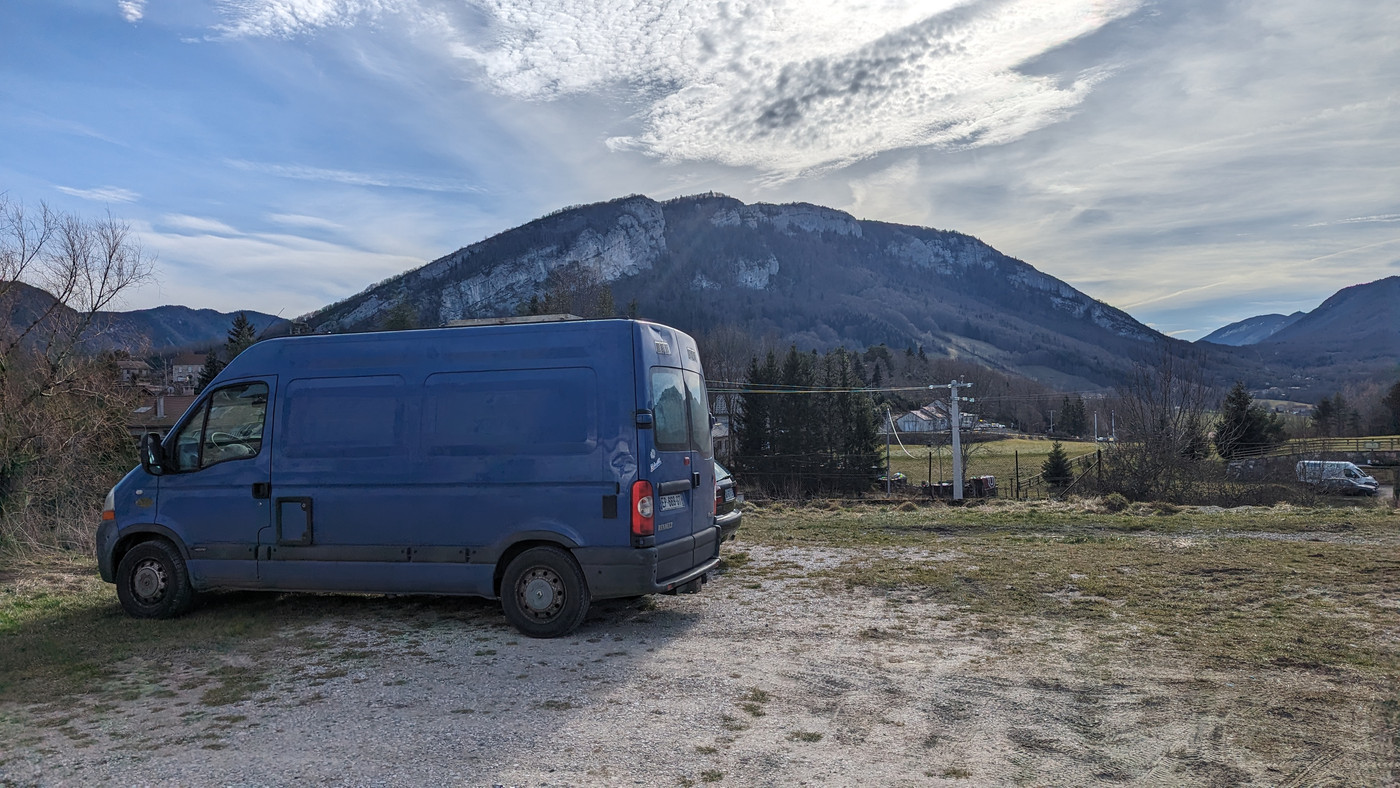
770,676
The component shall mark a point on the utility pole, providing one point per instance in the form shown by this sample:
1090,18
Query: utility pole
1052,422
889,477
955,424
1096,427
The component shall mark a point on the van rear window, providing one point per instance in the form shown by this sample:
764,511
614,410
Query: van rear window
668,409
680,410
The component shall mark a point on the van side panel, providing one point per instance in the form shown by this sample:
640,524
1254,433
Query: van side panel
465,442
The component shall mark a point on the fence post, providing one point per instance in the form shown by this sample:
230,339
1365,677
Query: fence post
1017,456
1098,461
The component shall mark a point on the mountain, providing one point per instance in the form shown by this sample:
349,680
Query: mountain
1358,327
1251,330
140,330
801,273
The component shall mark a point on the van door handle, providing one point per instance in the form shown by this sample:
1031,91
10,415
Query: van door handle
672,487
262,490
695,479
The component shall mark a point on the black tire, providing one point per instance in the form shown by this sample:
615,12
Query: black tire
152,581
543,593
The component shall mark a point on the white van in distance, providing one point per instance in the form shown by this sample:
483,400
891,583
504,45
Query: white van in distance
1336,477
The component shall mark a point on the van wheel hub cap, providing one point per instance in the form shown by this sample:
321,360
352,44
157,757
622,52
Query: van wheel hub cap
541,593
148,581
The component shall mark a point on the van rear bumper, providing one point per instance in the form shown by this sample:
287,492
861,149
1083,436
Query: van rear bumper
625,571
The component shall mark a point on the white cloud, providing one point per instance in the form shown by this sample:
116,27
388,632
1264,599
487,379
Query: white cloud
132,10
288,18
197,224
226,268
102,193
780,86
351,178
310,222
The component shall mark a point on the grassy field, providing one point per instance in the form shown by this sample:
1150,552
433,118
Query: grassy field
1260,587
1280,624
992,458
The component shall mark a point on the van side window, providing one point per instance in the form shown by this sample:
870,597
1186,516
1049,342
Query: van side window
229,426
698,402
668,407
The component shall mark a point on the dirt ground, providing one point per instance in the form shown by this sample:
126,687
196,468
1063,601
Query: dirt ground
765,678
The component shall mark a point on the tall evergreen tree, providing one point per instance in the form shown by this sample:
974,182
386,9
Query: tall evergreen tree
241,336
212,367
1391,401
1244,425
1056,469
753,424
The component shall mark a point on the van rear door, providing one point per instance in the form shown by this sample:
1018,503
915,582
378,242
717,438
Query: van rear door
681,470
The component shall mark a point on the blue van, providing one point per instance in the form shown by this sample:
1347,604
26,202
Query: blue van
544,464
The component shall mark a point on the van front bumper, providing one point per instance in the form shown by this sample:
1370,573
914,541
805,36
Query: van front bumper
106,540
614,572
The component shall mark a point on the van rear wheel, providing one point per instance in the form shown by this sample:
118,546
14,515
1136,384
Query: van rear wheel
153,582
543,593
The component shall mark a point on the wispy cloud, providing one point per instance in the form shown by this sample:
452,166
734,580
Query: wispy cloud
276,272
102,193
779,86
288,18
351,178
132,10
1386,218
197,225
299,220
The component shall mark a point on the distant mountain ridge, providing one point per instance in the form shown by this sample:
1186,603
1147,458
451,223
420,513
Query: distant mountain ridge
1251,330
141,330
1358,325
810,275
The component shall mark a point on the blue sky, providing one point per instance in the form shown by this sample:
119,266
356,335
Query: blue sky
1193,162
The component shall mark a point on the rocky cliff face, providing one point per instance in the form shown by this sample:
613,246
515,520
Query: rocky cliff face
812,275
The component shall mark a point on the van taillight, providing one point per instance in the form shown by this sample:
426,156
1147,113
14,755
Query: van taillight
643,509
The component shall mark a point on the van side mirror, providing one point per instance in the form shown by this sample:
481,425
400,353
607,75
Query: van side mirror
152,454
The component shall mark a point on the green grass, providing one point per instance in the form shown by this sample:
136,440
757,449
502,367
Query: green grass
991,458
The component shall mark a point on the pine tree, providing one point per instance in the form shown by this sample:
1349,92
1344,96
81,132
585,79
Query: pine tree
212,367
1056,469
240,337
1391,401
793,417
1243,424
753,424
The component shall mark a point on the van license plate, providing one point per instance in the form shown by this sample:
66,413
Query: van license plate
669,502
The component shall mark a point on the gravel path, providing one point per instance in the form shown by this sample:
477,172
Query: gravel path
765,678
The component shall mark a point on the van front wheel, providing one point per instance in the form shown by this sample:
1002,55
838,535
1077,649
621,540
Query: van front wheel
543,593
152,581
